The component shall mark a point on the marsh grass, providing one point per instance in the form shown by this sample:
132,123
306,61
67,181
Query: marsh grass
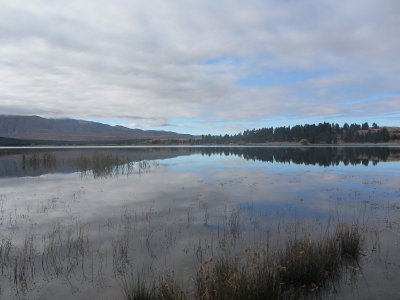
308,265
105,165
36,161
169,289
166,288
303,268
227,279
101,165
138,289
350,241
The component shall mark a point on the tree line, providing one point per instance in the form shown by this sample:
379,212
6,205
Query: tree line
323,133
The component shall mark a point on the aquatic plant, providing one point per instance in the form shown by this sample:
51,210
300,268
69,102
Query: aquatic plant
302,267
166,288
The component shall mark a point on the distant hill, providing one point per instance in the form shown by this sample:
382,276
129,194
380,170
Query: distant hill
38,128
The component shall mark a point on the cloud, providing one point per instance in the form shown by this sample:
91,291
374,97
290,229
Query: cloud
147,62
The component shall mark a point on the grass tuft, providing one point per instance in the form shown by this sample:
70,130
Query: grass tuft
309,265
303,267
165,289
136,289
350,241
168,288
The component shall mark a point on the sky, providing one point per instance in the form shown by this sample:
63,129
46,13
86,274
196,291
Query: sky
202,66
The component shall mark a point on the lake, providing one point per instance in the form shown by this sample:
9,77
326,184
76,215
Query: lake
84,223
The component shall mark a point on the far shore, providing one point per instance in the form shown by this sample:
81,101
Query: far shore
260,145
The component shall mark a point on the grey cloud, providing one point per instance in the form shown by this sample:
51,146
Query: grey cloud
168,125
141,61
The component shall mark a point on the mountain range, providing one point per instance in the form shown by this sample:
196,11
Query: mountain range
38,128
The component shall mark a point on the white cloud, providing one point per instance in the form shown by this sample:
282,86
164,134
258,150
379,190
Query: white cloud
123,59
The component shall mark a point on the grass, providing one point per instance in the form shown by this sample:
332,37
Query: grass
104,165
227,279
303,268
135,288
35,161
309,265
350,241
168,288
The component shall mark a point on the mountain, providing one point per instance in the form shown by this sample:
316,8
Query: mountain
38,128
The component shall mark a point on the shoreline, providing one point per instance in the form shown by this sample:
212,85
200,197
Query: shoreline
264,145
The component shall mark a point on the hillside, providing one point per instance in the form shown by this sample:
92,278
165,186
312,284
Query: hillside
38,128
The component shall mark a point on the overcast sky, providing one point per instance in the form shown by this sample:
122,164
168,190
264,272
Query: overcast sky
202,66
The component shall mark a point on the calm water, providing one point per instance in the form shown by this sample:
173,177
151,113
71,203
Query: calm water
76,222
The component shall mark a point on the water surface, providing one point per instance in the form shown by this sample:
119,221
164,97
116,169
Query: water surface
76,222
